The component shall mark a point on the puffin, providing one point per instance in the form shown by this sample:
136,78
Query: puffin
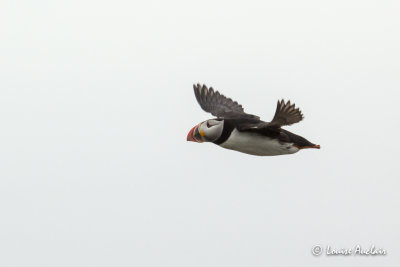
234,129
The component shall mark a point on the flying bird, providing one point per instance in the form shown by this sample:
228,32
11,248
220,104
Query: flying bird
236,130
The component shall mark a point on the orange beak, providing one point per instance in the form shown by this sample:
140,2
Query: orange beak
190,136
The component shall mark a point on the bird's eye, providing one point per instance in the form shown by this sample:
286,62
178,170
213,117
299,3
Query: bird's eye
212,123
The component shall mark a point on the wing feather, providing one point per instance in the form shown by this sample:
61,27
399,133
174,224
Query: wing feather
218,105
285,114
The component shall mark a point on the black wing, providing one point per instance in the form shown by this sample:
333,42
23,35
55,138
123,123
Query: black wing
219,105
285,114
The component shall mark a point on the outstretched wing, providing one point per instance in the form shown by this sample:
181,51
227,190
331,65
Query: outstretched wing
219,105
285,114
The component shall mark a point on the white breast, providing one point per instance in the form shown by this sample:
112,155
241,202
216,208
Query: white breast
256,144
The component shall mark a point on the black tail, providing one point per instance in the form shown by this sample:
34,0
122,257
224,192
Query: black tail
299,141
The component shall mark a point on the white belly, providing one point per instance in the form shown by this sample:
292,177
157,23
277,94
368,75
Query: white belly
254,144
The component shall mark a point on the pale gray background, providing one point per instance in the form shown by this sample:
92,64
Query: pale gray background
96,101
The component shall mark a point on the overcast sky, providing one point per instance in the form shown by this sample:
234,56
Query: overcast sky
96,101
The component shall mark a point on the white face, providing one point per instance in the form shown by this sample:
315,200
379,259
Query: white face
211,130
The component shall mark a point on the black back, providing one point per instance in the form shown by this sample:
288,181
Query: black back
250,125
